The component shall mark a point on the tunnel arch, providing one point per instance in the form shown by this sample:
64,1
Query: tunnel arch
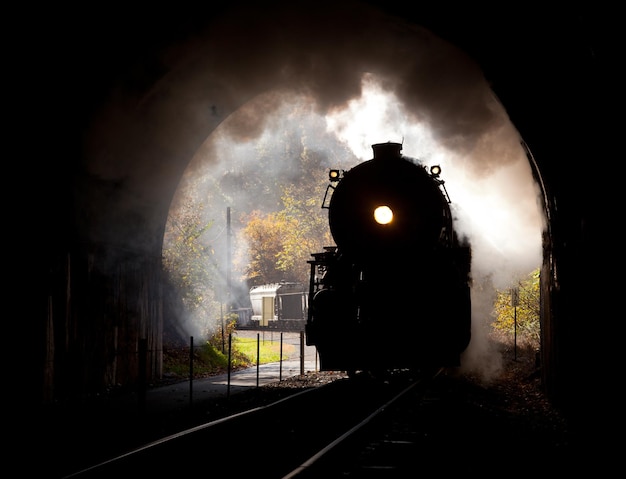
164,125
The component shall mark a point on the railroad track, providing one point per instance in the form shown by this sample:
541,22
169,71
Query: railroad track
297,436
448,427
343,457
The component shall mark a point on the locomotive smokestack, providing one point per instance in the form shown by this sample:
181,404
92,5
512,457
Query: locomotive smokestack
387,149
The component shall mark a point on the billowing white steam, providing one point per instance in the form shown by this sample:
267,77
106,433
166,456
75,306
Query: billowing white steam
496,208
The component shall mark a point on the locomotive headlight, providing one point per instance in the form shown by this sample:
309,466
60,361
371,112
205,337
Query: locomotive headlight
383,215
435,170
334,175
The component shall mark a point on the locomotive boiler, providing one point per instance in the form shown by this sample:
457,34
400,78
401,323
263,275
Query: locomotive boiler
394,290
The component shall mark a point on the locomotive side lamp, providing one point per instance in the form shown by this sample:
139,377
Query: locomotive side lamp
334,175
383,215
435,170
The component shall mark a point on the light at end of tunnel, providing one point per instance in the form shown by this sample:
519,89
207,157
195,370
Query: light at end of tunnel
383,215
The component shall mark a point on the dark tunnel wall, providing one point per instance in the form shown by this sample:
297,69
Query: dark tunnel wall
551,71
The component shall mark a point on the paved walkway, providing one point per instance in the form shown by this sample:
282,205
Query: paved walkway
173,396
185,393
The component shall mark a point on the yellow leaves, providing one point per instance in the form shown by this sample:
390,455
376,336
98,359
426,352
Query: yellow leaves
524,316
265,236
281,243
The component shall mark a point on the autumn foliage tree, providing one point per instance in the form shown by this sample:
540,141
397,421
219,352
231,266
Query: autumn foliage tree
274,192
190,262
522,315
265,234
280,243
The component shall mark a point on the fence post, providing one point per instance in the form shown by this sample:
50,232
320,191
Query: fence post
258,358
230,344
280,370
301,353
190,371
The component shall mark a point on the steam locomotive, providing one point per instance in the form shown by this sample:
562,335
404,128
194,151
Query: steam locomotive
394,291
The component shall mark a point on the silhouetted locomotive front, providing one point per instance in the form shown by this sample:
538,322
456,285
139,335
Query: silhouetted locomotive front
394,293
